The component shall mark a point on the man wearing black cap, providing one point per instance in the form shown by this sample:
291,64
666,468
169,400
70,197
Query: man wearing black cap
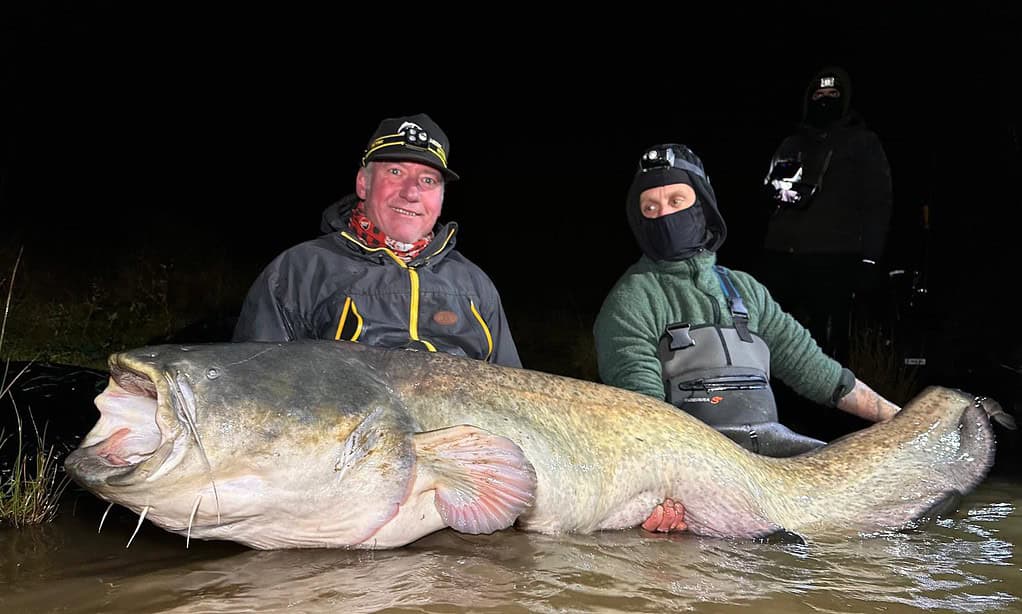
707,339
832,198
385,273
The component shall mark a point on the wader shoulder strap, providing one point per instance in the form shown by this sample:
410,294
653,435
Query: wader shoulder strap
739,313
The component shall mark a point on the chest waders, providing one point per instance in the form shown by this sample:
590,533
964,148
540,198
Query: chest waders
721,375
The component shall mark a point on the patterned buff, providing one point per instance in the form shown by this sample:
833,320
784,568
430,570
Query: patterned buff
368,233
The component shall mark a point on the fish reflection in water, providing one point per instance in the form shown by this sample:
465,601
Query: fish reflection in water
963,563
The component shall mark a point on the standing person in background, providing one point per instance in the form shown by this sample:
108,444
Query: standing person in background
386,273
831,185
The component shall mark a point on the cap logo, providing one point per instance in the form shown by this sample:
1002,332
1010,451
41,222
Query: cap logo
407,125
827,82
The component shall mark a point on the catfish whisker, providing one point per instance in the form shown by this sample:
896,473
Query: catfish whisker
183,391
141,517
191,519
103,519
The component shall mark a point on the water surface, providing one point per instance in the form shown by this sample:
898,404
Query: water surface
966,562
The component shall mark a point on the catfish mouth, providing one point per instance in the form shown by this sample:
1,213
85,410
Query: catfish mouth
133,438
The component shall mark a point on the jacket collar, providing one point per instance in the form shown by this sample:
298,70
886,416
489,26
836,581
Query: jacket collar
335,221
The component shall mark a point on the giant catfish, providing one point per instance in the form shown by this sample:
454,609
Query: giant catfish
337,444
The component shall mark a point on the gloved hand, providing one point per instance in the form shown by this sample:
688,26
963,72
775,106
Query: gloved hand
867,279
783,191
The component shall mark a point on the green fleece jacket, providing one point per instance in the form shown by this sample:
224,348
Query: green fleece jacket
651,295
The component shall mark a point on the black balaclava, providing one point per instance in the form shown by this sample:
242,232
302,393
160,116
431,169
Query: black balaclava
826,112
682,234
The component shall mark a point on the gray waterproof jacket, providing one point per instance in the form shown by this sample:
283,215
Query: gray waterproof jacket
334,287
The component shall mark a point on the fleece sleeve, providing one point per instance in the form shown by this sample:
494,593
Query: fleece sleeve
795,357
625,336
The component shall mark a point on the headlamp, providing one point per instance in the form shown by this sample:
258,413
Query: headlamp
416,138
658,157
668,156
410,136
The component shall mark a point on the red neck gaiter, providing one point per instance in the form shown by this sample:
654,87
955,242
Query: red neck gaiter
368,233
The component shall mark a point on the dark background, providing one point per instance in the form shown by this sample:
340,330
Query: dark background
228,129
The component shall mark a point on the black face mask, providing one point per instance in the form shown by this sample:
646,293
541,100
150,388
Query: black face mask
823,112
676,236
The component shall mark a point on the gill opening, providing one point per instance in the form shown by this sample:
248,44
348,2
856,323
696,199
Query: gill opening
186,400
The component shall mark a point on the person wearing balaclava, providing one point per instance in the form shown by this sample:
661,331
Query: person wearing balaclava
831,191
678,327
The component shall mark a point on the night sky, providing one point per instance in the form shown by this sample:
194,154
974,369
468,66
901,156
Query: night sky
210,128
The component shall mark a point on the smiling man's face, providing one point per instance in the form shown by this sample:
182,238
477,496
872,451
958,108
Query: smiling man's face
403,199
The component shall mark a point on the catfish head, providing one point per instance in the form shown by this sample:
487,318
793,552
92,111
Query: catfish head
244,443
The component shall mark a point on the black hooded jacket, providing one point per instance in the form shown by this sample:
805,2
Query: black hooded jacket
334,287
850,212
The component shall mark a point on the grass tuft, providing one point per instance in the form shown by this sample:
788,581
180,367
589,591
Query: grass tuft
30,489
877,358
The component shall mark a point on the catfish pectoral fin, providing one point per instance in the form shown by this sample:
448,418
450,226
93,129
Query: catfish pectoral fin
483,481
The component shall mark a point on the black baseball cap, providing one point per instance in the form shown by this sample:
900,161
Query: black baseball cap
413,138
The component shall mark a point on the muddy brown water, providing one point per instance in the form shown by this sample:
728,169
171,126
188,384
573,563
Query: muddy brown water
966,562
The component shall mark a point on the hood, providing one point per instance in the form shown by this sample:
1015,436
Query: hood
700,182
843,82
335,216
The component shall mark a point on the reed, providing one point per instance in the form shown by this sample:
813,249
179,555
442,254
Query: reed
876,357
31,487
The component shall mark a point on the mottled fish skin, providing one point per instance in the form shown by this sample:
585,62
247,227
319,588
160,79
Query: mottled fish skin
313,444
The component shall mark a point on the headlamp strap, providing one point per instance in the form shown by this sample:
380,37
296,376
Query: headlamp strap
415,139
667,157
688,166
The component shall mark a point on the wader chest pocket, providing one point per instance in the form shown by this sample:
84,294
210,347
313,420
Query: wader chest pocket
725,382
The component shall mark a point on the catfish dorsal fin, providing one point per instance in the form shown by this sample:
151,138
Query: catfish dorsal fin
483,481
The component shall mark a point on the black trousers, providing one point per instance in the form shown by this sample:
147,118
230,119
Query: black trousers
817,289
